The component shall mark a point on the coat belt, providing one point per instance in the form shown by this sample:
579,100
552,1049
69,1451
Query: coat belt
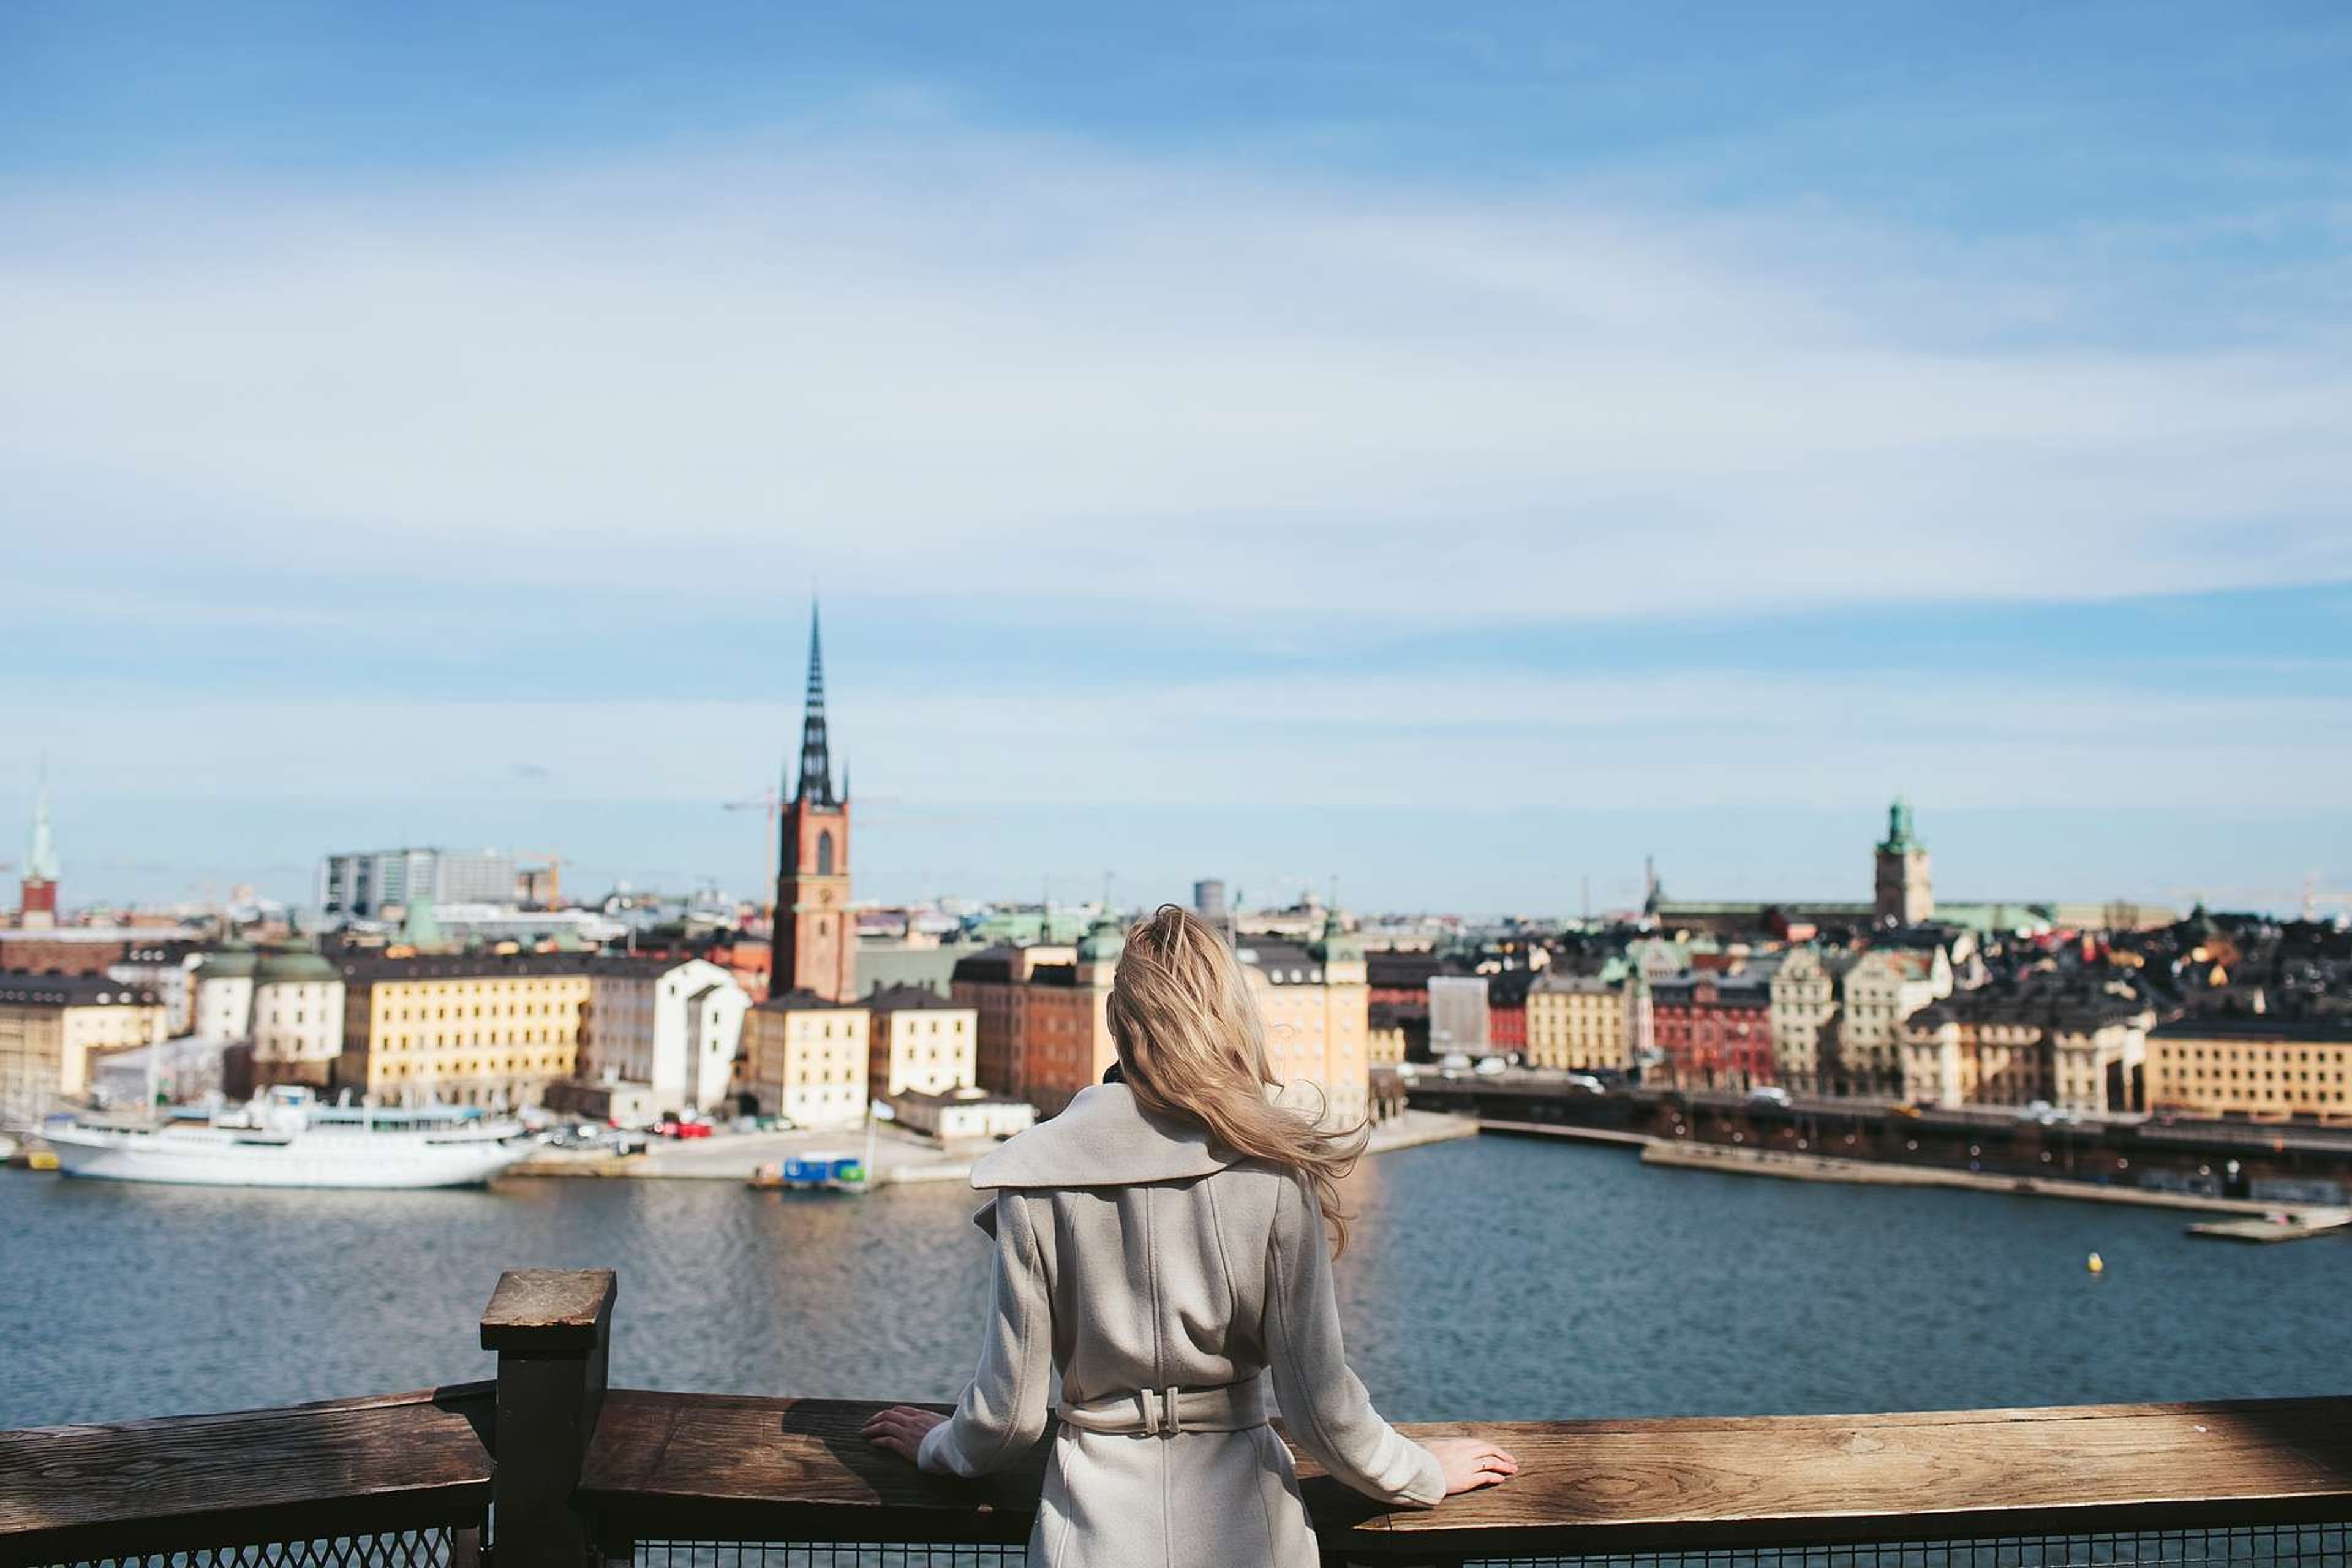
1166,1411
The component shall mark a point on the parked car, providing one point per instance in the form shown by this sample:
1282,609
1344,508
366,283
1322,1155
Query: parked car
1769,1094
1491,1067
1586,1082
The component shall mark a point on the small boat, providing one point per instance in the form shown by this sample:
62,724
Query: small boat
812,1173
285,1137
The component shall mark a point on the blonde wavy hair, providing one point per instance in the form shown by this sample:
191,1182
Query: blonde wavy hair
1192,1047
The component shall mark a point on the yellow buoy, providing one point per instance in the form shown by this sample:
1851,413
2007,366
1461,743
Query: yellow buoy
2096,1264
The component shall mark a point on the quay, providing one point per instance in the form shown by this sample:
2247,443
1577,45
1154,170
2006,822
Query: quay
900,1158
554,1465
2234,1167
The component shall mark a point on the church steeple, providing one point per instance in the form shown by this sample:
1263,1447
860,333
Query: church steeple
38,892
816,755
816,931
41,857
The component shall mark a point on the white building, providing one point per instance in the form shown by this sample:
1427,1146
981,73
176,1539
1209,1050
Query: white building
1884,987
169,970
297,1019
672,1025
489,924
360,884
1457,1015
1804,1017
967,1115
223,995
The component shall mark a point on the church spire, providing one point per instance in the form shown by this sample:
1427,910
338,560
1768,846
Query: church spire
41,856
816,757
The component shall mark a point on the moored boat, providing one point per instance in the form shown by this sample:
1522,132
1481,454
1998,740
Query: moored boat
287,1138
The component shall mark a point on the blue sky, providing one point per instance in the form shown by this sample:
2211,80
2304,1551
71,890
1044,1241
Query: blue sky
1455,451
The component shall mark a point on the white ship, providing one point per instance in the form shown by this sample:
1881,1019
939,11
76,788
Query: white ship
287,1138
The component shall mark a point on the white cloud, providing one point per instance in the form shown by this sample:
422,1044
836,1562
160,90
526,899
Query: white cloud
991,366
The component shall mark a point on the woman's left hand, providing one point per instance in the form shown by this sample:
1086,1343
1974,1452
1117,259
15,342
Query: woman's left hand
900,1429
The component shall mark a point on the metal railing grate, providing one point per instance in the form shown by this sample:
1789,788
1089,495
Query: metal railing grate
2264,1546
392,1549
822,1554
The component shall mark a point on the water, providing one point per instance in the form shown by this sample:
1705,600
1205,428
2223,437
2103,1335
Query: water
1497,1278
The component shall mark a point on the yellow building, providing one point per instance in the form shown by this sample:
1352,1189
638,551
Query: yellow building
1576,1023
919,1042
805,1059
491,1030
1315,1001
53,1027
2252,1067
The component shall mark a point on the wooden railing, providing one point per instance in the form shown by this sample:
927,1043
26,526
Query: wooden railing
566,1470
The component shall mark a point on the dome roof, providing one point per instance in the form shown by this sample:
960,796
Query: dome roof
293,968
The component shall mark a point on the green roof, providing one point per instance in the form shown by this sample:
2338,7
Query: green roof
1104,943
1335,945
230,961
295,967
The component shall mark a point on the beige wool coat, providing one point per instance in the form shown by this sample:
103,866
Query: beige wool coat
1133,1258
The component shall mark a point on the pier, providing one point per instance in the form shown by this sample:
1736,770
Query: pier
552,1463
2238,1167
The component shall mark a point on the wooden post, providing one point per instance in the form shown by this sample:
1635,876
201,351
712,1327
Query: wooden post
551,1329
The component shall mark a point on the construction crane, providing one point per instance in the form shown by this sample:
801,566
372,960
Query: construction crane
527,879
770,802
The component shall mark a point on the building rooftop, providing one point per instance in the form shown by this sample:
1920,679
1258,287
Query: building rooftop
901,998
2256,1026
293,967
370,970
71,991
806,1001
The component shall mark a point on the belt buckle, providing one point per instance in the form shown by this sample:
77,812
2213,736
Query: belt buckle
1172,1418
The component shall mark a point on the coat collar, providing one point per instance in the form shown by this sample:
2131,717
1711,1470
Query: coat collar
1102,1139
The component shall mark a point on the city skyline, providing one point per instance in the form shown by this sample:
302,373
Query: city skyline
1605,437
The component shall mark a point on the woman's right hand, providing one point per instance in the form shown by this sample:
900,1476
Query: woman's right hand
1469,1463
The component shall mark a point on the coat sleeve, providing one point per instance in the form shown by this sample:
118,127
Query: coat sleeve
1003,1411
1329,1413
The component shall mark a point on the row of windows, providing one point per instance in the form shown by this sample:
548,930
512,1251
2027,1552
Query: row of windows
2242,1053
442,1014
2271,1075
442,1069
470,1041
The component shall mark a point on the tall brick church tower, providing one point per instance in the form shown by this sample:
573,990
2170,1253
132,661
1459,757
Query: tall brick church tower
815,941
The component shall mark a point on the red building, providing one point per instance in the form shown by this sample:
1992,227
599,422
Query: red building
1715,1030
1507,1010
1401,981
